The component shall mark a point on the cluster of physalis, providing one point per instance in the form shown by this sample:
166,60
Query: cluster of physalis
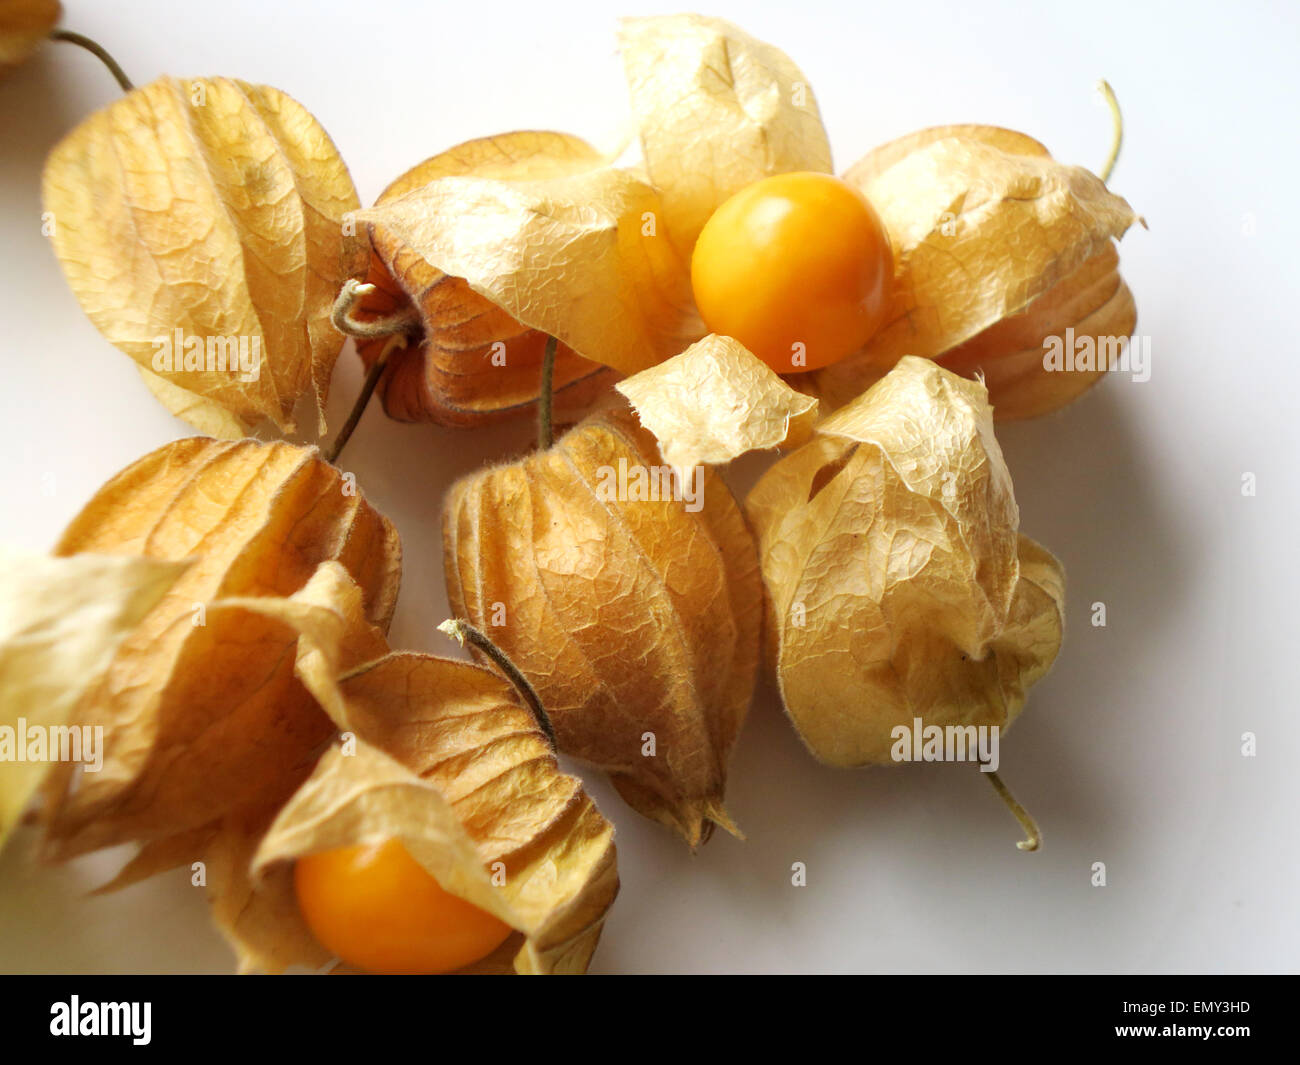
219,609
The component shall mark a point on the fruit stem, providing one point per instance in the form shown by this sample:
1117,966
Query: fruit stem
1034,836
1117,119
545,434
463,632
397,340
96,49
404,321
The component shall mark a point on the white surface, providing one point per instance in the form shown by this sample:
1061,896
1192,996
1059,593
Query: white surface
1129,751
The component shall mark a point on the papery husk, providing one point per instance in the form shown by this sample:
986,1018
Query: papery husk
997,246
511,239
446,760
61,622
716,110
203,719
716,401
24,25
627,616
1093,301
898,584
437,753
448,375
219,219
323,627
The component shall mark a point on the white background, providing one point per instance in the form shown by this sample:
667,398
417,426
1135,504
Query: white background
1129,750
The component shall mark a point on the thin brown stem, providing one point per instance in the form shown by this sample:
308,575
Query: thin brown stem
1117,119
407,320
363,397
546,396
463,632
1033,836
99,51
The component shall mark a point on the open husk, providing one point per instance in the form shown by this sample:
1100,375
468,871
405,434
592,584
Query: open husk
497,243
441,755
997,247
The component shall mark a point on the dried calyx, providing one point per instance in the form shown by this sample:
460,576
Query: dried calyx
629,599
1000,252
899,587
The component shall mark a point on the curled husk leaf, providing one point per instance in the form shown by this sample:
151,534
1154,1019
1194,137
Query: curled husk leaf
472,361
61,622
997,248
24,24
715,110
637,620
201,710
521,236
445,759
209,210
898,584
716,401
